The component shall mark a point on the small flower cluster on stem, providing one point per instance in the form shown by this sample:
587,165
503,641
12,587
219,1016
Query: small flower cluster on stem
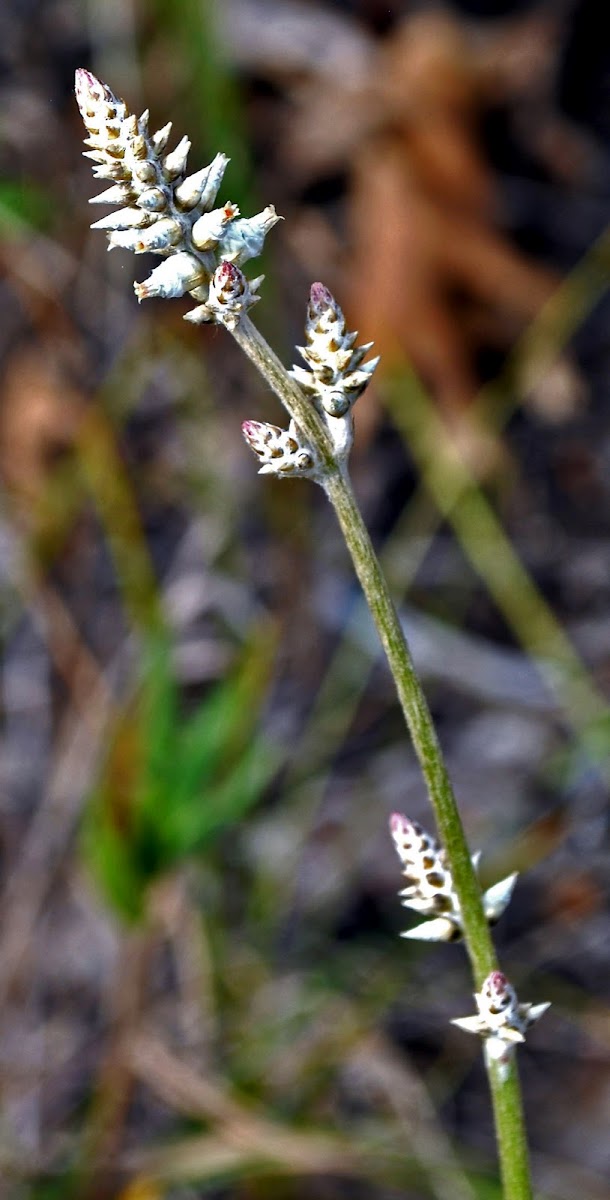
430,888
337,376
164,211
501,1020
278,450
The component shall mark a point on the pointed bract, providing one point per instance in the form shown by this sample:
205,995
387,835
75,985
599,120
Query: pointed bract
497,897
177,275
441,929
430,887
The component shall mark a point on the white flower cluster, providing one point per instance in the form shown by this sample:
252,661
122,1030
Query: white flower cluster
164,211
501,1020
430,887
279,450
335,380
336,375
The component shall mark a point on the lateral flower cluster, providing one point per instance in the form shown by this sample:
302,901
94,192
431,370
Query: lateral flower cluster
336,377
430,889
279,450
164,211
501,1020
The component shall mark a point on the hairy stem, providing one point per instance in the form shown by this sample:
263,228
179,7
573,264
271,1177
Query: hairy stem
511,1137
419,721
508,1114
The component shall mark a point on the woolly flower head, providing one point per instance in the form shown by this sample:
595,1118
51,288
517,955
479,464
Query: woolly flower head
279,451
430,889
336,375
164,211
500,1020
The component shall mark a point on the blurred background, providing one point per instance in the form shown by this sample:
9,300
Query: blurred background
202,987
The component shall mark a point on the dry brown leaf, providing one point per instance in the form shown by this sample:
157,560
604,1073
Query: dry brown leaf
427,257
39,414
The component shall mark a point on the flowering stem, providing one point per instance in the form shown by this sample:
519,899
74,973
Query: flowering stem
510,1132
419,722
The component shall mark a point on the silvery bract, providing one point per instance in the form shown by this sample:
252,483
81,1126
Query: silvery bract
337,375
430,888
501,1020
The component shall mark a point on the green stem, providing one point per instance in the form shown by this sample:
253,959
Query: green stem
511,1137
419,722
506,1096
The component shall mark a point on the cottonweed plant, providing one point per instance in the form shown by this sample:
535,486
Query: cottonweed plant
159,208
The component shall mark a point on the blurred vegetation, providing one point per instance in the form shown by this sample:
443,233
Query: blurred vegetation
172,783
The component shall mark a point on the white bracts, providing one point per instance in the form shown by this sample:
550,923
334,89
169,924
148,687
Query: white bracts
164,211
279,450
501,1020
332,384
336,376
430,888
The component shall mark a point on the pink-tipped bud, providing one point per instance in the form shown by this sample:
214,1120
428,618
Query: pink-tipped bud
253,432
497,1000
280,451
228,277
496,984
500,1020
320,298
88,90
336,374
399,824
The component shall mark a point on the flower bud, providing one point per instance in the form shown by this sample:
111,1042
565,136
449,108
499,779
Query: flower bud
501,1020
159,238
177,275
174,163
209,229
153,200
336,375
279,450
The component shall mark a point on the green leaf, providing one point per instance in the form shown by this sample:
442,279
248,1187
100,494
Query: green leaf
23,206
167,788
